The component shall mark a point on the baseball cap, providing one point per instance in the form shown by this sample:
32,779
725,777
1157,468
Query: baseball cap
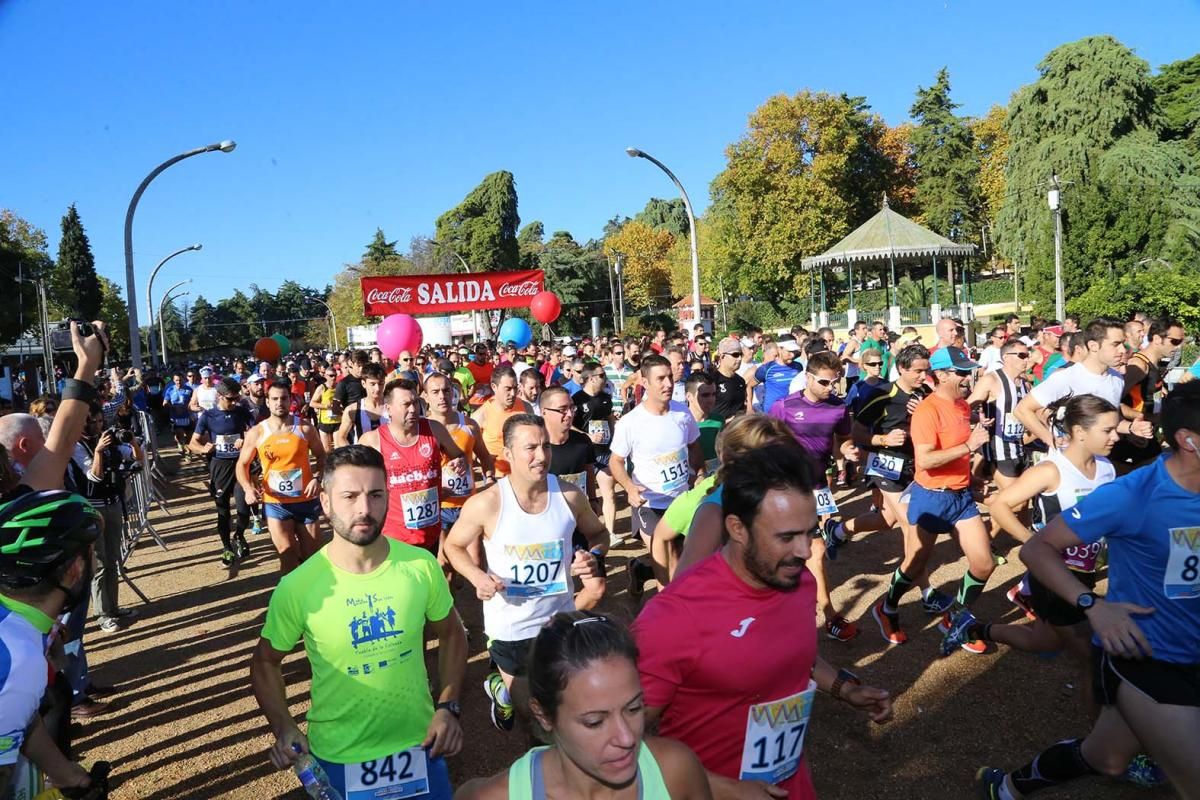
255,378
730,347
205,372
951,358
569,351
748,342
1053,329
789,343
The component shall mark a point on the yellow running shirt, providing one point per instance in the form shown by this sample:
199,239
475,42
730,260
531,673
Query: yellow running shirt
364,636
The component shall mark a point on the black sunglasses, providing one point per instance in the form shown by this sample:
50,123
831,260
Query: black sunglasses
1022,355
824,381
1174,341
872,363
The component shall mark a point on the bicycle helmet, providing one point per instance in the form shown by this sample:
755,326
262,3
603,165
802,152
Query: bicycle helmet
40,531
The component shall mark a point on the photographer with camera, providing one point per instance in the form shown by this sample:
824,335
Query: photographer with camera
100,466
34,572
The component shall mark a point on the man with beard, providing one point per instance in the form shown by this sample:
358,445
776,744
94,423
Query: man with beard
282,444
255,398
412,448
496,410
526,521
362,606
728,651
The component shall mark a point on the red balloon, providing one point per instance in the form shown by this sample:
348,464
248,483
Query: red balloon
545,307
267,349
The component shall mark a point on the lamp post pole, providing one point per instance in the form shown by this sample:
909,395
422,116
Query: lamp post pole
162,331
466,268
135,335
150,305
332,322
633,152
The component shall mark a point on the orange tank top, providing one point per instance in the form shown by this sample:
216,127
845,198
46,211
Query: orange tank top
493,431
284,458
457,488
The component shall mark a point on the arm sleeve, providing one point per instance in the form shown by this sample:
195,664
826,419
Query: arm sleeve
1053,388
21,697
284,626
665,651
1104,513
202,424
620,442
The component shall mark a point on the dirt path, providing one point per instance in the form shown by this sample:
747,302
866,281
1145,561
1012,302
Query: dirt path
185,725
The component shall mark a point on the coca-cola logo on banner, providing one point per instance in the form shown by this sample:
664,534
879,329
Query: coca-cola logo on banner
430,294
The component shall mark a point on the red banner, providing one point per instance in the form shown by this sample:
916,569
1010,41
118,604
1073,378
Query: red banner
440,294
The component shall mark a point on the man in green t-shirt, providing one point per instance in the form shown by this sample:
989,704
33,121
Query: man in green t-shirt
701,395
361,605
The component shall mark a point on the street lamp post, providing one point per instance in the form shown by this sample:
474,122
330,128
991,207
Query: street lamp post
466,268
135,336
150,306
162,331
332,322
633,152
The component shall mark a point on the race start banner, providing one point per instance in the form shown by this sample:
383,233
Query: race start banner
441,294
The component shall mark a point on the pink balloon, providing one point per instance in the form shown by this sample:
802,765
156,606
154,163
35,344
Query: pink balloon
398,333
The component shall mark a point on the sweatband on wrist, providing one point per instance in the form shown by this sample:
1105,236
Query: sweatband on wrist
74,389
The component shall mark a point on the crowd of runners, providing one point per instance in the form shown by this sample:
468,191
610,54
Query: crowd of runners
383,483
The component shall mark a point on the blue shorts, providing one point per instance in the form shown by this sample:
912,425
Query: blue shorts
938,511
436,771
303,512
450,515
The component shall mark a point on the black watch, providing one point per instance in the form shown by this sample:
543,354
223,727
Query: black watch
1085,601
452,706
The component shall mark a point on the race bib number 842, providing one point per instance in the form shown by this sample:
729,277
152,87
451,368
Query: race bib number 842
403,774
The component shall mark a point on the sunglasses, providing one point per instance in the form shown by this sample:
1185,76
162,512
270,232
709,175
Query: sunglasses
565,410
405,360
1022,355
824,381
1174,341
872,363
618,352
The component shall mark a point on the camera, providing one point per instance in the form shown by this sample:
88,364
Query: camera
60,337
121,435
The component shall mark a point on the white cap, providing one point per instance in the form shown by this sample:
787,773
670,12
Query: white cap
569,351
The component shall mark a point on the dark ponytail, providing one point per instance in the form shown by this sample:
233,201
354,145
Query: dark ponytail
1082,410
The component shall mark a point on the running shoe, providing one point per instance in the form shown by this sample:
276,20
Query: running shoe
241,548
937,602
998,559
889,625
843,481
256,526
1142,771
228,558
1020,601
639,572
989,782
502,713
832,542
841,629
954,633
109,624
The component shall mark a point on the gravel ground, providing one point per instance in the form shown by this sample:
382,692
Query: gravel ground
184,723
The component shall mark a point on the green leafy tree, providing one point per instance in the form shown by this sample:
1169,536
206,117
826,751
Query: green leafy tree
115,313
666,215
530,244
1177,88
808,170
75,286
947,167
380,249
22,255
576,273
1176,294
991,147
1090,95
200,321
237,319
483,227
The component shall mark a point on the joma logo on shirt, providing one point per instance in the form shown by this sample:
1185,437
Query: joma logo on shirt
783,711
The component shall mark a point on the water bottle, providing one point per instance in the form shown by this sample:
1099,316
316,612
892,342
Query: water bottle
314,779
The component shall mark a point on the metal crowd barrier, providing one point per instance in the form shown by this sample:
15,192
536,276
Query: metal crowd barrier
141,493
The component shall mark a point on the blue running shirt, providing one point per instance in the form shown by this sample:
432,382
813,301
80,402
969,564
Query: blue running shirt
1152,525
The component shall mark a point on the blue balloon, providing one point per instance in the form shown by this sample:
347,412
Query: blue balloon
517,331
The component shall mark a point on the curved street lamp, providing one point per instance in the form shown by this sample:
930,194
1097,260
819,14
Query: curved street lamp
466,268
162,334
633,152
135,336
332,322
150,306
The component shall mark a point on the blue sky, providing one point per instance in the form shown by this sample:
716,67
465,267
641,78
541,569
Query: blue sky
354,115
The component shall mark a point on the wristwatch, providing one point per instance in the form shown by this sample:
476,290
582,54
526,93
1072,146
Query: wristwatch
452,706
844,676
1085,601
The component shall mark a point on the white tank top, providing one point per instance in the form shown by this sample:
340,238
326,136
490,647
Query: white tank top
1073,486
532,554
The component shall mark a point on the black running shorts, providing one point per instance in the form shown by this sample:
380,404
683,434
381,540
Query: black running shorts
1162,681
511,657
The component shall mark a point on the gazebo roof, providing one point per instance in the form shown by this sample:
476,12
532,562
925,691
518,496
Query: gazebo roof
888,235
686,301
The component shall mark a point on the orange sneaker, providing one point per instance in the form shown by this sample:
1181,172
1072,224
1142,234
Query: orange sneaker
889,625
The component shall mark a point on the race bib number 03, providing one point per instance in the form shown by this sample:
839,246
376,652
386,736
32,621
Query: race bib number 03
883,465
403,774
1181,581
536,570
286,482
420,508
774,740
826,505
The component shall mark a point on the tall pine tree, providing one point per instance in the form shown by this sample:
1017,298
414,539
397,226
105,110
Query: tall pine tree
947,170
74,281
